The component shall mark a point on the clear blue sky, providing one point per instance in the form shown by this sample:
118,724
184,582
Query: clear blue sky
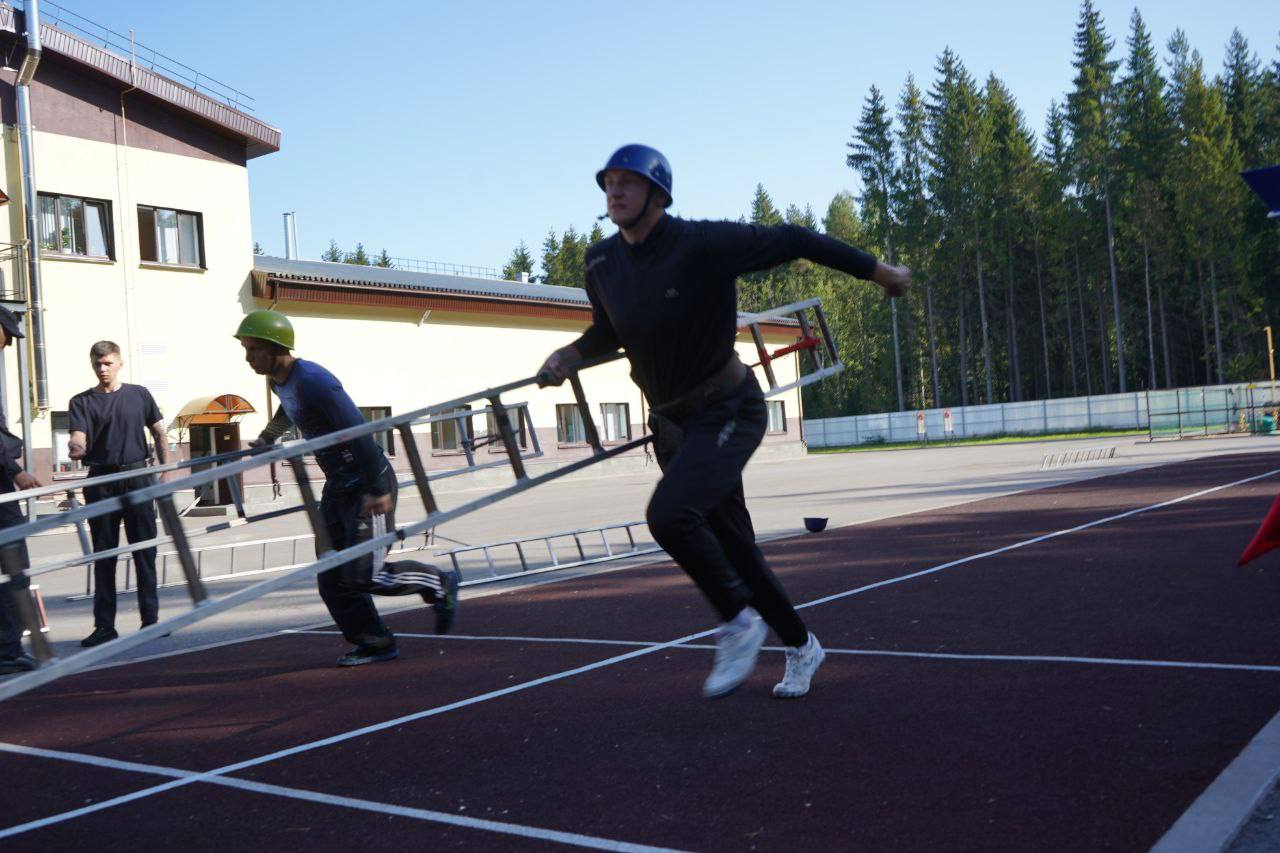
450,130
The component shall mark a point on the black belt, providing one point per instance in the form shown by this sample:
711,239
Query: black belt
113,469
717,386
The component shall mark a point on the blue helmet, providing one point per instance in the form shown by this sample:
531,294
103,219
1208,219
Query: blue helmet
644,161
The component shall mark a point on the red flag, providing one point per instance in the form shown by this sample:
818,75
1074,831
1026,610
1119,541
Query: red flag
1267,537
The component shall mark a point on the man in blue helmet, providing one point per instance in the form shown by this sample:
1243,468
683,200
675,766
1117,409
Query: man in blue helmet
359,493
664,290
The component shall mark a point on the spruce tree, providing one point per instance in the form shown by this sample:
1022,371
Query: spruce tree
572,264
953,138
551,271
759,291
1007,171
520,262
1091,117
763,211
911,206
358,257
1144,133
1206,194
872,156
1056,177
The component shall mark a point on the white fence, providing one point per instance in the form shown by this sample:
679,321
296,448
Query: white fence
1065,414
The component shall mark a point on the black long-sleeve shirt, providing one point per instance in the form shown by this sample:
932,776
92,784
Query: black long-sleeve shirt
10,467
671,301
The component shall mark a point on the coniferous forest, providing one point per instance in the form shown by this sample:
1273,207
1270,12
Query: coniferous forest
1113,249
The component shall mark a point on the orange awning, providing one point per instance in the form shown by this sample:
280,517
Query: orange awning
223,409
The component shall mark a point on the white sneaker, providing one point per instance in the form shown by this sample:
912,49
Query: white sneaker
802,663
737,645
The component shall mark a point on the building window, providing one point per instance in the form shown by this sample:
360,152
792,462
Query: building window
569,427
516,418
75,226
170,237
777,416
386,440
617,421
447,435
62,462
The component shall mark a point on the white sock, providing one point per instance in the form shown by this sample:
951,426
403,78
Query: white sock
743,619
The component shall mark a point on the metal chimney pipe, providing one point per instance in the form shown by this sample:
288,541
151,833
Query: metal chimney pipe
30,201
290,237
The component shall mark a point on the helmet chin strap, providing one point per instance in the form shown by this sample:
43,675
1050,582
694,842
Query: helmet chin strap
648,199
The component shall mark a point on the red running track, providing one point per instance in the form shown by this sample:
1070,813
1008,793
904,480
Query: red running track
1074,739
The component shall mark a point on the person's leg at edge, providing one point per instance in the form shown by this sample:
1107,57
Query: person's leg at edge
696,478
436,586
804,653
731,524
12,658
140,526
706,472
104,532
344,588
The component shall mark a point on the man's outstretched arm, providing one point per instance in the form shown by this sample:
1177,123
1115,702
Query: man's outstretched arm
748,248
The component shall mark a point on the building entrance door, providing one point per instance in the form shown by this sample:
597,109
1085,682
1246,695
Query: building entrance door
210,440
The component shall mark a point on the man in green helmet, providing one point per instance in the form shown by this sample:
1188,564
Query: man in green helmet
359,493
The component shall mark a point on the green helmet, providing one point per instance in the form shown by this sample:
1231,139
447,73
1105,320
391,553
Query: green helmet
268,326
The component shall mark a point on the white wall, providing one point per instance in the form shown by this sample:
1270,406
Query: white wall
171,325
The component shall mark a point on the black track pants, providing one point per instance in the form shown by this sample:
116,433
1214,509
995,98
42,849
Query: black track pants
346,589
698,512
139,525
10,626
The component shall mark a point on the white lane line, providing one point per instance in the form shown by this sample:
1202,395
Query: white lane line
586,641
201,648
503,827
515,688
892,653
773,537
472,593
1169,664
339,738
574,838
94,760
1033,541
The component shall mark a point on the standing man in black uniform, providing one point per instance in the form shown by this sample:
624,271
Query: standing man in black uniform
12,478
109,425
665,290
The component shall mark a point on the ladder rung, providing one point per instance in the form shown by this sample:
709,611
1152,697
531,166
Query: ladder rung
588,423
318,528
508,437
173,526
419,470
